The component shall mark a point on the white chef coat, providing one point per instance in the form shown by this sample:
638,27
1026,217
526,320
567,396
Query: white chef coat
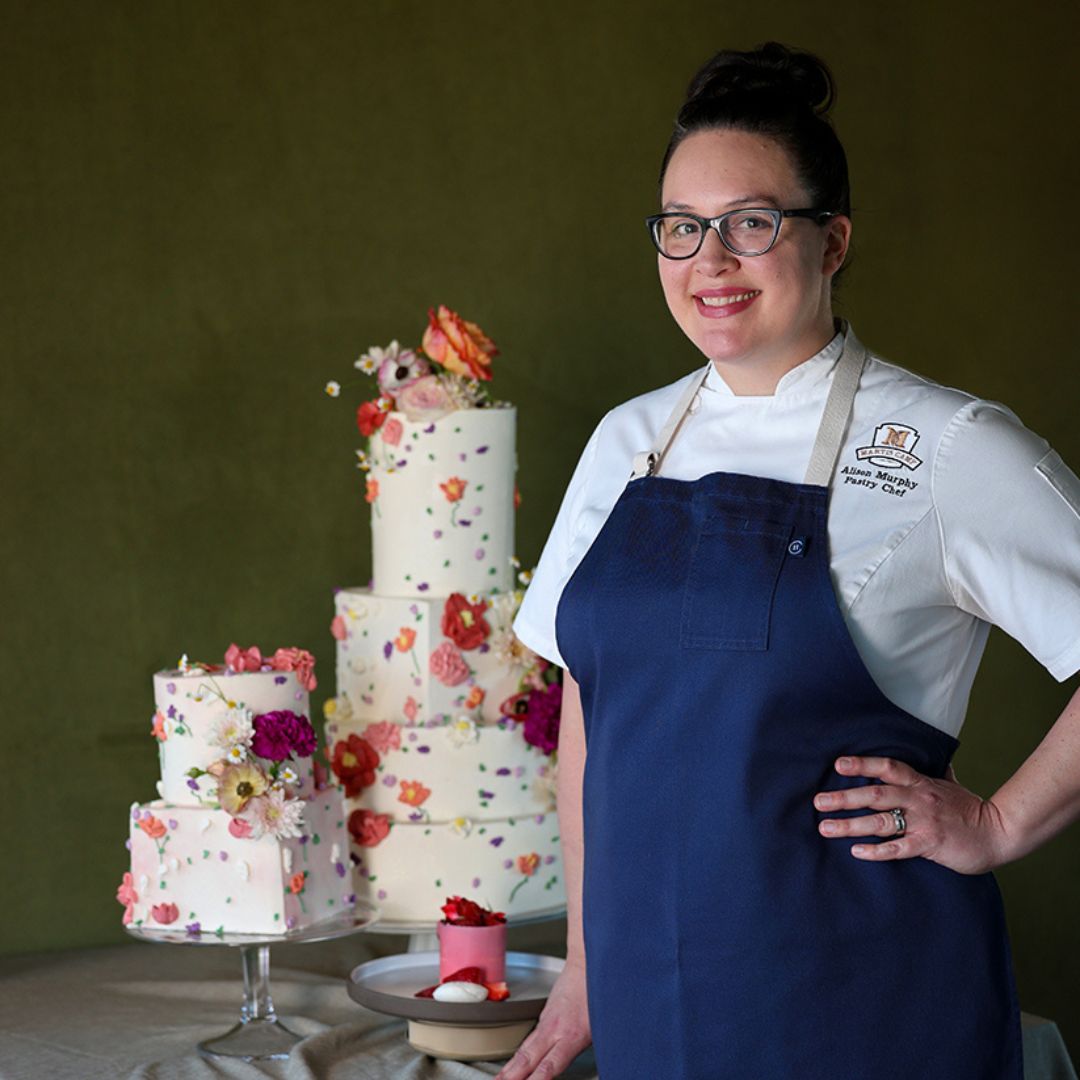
946,515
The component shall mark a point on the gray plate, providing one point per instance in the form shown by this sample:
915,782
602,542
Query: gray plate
388,984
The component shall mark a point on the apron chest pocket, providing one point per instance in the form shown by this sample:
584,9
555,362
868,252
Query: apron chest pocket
730,584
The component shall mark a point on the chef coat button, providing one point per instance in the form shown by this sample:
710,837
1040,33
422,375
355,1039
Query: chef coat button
797,546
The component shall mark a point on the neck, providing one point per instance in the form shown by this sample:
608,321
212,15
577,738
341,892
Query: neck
759,376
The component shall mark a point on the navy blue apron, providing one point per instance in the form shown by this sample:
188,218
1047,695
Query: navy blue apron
725,937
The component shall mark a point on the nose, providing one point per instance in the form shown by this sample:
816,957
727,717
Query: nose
712,257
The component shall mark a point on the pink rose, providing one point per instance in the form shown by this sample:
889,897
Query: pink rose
239,828
392,431
410,709
298,660
447,665
383,736
338,629
425,401
237,659
165,913
126,893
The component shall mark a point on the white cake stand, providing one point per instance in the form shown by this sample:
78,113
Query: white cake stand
259,1035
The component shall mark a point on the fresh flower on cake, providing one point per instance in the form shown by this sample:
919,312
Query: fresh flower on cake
460,911
444,373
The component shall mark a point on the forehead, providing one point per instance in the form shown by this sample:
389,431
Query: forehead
714,170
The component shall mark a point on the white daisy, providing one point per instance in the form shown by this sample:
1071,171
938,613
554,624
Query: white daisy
461,826
333,388
233,730
236,754
289,776
462,731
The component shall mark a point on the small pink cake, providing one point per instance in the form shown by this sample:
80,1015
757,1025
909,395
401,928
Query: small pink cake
472,936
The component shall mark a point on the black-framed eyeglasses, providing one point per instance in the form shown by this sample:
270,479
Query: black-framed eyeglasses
750,231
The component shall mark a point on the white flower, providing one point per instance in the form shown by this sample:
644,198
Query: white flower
510,650
244,870
277,815
288,776
462,731
525,577
236,754
333,388
233,730
385,403
461,826
286,859
369,362
205,824
335,854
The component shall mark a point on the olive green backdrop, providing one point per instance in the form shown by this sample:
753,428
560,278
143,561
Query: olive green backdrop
209,209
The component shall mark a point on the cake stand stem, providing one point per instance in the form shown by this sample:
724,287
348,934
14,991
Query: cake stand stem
259,1035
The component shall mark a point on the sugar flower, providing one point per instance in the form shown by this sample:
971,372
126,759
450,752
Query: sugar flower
425,400
237,659
464,623
368,828
369,418
240,828
392,431
299,661
462,731
297,882
454,488
153,827
413,793
125,892
404,641
158,729
460,826
238,785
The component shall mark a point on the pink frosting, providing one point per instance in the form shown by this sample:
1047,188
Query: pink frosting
448,666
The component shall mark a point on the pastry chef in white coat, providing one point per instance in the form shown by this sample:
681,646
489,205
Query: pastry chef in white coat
945,514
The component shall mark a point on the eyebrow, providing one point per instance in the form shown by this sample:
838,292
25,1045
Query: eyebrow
742,200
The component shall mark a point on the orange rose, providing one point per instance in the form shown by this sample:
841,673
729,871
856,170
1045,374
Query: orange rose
153,827
476,697
296,882
404,641
460,346
372,492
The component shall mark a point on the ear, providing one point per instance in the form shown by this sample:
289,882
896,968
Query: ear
837,238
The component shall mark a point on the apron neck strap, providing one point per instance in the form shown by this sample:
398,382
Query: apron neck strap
831,431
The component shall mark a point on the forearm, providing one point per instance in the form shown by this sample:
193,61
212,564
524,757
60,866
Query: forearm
568,793
1043,796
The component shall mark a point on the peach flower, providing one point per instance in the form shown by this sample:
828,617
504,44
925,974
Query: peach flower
371,493
237,659
368,828
413,793
299,661
404,641
153,827
392,431
165,913
296,882
384,735
460,346
454,488
159,732
527,864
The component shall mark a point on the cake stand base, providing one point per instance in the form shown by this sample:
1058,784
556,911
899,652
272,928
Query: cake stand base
252,1040
468,1043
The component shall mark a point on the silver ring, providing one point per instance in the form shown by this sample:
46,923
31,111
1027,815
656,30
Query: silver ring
898,817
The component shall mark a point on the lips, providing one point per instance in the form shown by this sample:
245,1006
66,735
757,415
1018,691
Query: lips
723,303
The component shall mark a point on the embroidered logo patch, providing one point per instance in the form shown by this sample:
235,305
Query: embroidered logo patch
892,447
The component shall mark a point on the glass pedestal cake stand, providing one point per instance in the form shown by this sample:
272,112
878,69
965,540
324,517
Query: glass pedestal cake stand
259,1035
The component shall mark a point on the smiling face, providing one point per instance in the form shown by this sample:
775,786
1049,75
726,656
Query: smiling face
756,317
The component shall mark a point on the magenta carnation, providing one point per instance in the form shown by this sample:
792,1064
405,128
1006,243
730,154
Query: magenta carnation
278,735
541,724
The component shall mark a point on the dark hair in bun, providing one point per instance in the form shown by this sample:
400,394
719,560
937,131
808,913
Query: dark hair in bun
778,92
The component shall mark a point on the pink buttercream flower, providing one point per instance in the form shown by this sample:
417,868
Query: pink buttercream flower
298,660
425,400
237,659
338,629
447,665
392,431
159,731
384,736
165,913
410,709
125,892
240,828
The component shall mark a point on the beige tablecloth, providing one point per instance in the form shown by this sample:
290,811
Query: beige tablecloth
139,1010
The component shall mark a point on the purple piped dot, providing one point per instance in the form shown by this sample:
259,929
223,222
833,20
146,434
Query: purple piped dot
339,869
416,815
438,534
402,462
170,712
381,894
279,680
549,859
495,841
299,695
349,899
390,780
408,448
504,771
478,554
477,511
412,736
173,823
417,681
170,687
304,836
136,813
487,794
484,647
476,883
127,843
429,429
388,650
541,770
519,771
423,587
367,699
223,856
290,922
423,749
463,457
414,609
539,819
508,864
465,522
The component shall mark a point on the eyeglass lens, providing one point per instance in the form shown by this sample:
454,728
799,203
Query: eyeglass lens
747,232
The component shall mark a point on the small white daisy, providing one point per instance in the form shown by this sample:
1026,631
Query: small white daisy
333,388
461,826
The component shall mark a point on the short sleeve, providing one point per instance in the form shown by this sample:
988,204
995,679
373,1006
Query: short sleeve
535,622
1009,510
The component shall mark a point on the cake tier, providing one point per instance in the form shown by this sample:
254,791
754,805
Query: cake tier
512,865
394,661
192,708
442,498
452,769
187,867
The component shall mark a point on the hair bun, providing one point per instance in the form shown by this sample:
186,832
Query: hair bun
773,70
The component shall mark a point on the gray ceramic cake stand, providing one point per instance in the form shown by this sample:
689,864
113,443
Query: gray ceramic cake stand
259,1035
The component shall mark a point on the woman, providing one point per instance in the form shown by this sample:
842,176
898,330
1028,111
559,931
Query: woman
771,632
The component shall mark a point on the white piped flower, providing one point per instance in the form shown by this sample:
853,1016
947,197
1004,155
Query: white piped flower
205,824
144,882
244,870
174,864
461,826
286,859
162,869
462,731
335,854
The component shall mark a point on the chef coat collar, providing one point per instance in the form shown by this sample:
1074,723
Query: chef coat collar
802,377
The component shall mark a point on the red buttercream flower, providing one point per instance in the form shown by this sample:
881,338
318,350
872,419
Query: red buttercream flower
237,659
354,764
165,913
370,417
464,623
368,828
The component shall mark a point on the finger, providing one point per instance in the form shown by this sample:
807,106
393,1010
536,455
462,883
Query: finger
883,824
901,848
888,769
537,1062
877,796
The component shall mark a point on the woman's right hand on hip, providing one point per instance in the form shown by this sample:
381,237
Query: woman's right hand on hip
561,1033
